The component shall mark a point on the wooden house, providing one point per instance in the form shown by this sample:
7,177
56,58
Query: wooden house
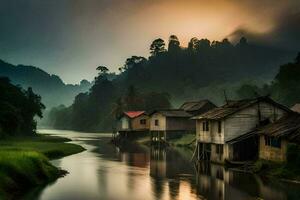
133,124
197,107
226,133
165,124
275,137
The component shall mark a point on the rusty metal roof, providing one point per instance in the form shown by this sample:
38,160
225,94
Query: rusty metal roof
234,106
173,113
191,106
288,127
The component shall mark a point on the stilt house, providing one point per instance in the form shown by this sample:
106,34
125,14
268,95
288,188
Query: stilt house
166,124
133,124
227,132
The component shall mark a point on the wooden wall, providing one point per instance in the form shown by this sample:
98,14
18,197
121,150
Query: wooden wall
272,153
162,122
124,123
136,124
211,136
247,119
180,124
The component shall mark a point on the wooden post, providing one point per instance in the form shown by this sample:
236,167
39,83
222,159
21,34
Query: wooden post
198,150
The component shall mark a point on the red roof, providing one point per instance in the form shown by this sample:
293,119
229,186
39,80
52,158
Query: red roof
133,114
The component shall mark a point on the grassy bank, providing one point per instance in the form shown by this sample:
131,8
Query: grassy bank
277,169
24,162
186,140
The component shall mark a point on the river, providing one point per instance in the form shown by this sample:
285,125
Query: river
136,172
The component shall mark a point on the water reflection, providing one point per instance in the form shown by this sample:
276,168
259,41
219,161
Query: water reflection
138,172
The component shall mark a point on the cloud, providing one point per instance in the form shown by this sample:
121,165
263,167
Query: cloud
285,34
63,36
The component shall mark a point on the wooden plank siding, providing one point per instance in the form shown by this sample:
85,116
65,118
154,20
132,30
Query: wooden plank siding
137,125
211,136
272,153
247,119
161,122
179,124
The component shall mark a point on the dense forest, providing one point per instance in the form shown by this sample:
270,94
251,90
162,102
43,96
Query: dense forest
18,108
52,89
285,87
171,75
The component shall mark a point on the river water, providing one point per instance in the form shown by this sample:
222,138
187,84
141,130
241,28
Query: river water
136,172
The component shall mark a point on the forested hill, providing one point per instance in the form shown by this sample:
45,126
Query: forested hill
52,89
186,73
171,75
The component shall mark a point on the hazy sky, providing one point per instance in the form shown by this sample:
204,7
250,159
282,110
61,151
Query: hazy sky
71,38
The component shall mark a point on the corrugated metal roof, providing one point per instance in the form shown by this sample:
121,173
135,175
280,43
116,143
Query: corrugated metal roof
242,137
173,113
288,127
234,106
194,105
134,114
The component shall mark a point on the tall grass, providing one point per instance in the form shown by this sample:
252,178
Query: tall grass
24,162
20,170
51,147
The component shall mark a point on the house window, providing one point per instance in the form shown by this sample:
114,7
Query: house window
219,126
143,121
219,148
156,122
205,126
273,142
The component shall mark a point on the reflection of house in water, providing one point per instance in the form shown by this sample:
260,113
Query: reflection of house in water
227,132
134,155
214,182
158,163
167,167
169,163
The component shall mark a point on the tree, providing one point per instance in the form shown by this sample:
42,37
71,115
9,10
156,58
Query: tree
118,108
192,44
133,99
102,69
157,47
174,44
134,61
156,100
287,83
18,108
247,91
203,44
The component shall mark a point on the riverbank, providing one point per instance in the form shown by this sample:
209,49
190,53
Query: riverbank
24,162
284,171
